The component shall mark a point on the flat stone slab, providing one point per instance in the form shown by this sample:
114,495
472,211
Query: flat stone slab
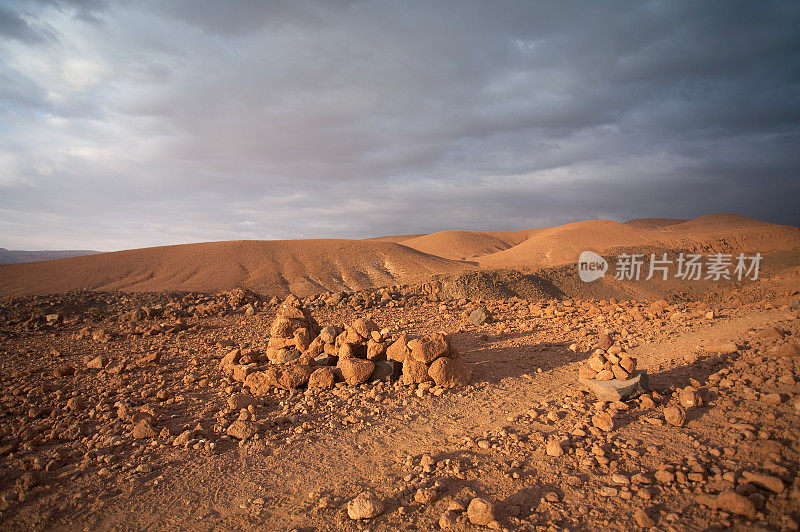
617,390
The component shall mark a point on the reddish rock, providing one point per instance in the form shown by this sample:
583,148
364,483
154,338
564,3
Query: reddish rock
414,372
322,378
355,370
450,372
429,347
399,350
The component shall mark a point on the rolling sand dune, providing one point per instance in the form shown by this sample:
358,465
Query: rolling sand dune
304,267
274,267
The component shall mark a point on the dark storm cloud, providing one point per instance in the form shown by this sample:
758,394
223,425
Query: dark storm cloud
143,123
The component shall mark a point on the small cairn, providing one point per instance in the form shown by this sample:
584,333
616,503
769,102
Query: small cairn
611,373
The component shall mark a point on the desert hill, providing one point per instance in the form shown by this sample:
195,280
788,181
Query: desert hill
305,267
725,233
274,267
458,245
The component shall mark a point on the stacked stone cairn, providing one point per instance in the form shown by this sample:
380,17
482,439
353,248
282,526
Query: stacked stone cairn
608,362
300,353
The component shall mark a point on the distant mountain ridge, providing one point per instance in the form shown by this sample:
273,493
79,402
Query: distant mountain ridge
16,256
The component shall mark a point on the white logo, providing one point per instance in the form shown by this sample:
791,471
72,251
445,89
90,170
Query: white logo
591,266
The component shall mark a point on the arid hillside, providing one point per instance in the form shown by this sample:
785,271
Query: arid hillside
272,267
307,267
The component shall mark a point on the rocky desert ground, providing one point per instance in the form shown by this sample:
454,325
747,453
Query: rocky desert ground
424,405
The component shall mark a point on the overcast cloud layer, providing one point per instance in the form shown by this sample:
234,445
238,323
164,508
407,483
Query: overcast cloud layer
138,123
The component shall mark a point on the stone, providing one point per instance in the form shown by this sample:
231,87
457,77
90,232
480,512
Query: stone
664,476
480,511
346,351
328,334
448,519
414,372
375,350
143,429
675,415
399,350
730,501
425,495
364,327
387,370
689,398
554,448
76,404
596,362
98,362
429,347
153,358
480,316
614,390
786,349
450,372
771,399
586,373
365,506
603,421
64,371
260,382
643,519
322,378
605,341
242,429
627,363
620,373
355,370
605,375
294,376
770,482
240,401
302,338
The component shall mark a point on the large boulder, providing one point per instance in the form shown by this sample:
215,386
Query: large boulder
294,376
618,390
322,378
450,372
414,372
429,347
364,327
480,316
355,370
260,382
399,350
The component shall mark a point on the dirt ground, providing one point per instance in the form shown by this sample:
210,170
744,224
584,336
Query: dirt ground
424,451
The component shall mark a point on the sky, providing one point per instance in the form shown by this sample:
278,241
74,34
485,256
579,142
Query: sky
147,122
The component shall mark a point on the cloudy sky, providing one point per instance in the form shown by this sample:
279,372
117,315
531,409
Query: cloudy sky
147,122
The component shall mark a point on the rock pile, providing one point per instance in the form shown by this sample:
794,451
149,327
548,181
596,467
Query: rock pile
611,373
430,358
301,353
608,365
